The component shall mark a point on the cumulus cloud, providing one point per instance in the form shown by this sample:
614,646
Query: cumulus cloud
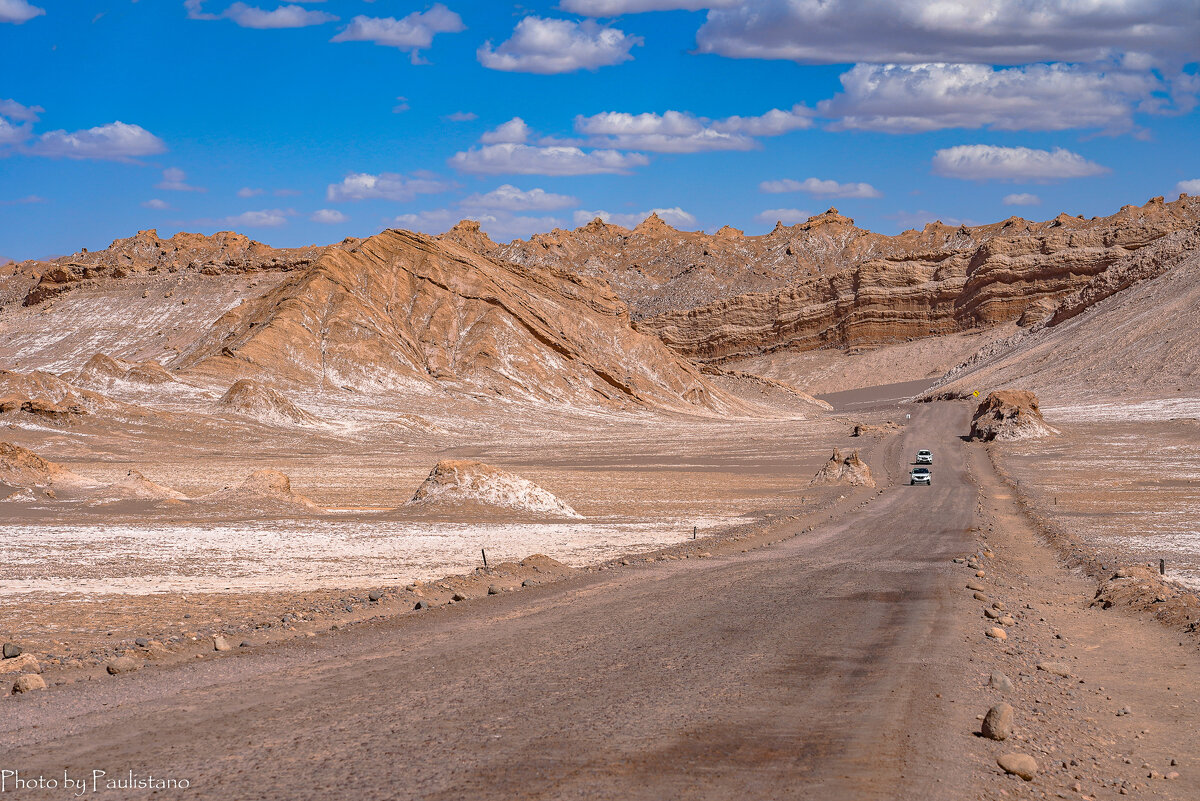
989,162
328,216
461,116
552,46
615,8
292,16
15,111
785,216
509,198
816,186
156,204
249,191
682,132
501,226
18,11
401,105
1040,97
1022,199
518,159
515,131
410,34
384,186
1192,187
13,134
962,31
175,180
267,218
116,141
675,217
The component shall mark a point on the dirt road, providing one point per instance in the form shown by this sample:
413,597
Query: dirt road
823,667
787,671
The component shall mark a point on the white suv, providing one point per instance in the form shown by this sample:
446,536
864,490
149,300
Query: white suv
924,457
920,475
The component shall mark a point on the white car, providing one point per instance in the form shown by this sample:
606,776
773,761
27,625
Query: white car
921,475
924,457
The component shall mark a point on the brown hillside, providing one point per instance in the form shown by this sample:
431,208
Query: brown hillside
403,308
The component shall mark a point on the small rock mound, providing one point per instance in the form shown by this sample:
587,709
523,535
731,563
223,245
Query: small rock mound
454,482
1009,415
882,430
20,467
101,370
257,400
844,470
136,486
262,491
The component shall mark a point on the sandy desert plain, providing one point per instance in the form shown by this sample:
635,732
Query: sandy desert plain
248,492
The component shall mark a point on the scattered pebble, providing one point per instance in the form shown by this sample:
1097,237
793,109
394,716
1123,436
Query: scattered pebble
11,650
122,664
1021,765
997,633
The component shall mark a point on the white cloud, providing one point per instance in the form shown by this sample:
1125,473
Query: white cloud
509,198
401,105
18,11
816,186
960,31
23,201
1021,199
249,191
15,111
384,186
1191,187
683,132
157,204
13,134
461,116
989,162
267,218
552,46
515,131
329,216
785,216
1039,97
116,141
516,159
615,8
175,180
675,217
292,16
500,225
410,34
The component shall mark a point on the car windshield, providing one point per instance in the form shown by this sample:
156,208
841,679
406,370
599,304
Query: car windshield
920,471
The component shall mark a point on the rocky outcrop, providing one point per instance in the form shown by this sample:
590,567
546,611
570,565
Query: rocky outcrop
1022,270
403,309
1129,332
842,470
148,254
263,403
457,483
101,370
1009,415
20,467
262,492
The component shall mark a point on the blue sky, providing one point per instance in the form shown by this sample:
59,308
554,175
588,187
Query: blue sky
306,122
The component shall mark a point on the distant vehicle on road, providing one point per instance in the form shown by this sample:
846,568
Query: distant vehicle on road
924,457
920,475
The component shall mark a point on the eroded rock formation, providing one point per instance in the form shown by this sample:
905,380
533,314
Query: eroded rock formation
843,470
455,482
1009,415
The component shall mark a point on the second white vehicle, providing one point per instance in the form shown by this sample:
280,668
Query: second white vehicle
920,475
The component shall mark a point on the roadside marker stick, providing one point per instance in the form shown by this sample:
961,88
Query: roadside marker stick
693,532
482,551
1162,567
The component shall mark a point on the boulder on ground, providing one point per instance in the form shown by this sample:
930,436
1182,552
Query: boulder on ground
459,482
28,683
844,470
1021,765
1009,415
997,723
122,664
24,663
